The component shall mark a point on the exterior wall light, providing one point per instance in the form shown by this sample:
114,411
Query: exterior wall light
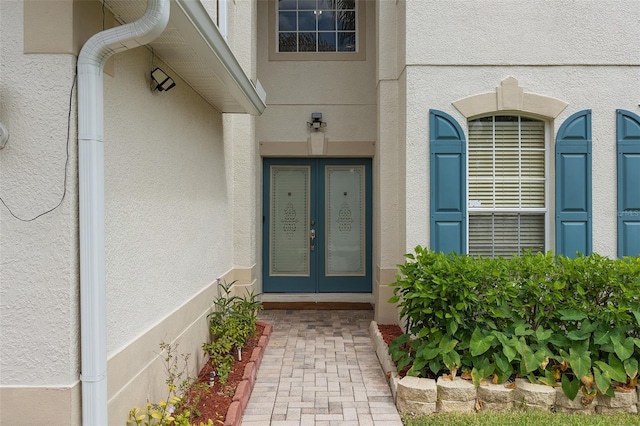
160,81
316,122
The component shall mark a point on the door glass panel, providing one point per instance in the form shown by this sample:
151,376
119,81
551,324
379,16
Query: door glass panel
289,221
345,209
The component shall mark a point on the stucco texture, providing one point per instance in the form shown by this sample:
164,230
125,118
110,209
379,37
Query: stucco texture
532,32
343,91
38,259
168,230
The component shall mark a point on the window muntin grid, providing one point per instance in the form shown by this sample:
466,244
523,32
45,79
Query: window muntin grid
317,26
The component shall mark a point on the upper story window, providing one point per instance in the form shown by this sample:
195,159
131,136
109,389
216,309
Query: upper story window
317,26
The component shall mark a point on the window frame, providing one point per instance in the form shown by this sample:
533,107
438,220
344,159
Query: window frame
358,55
549,174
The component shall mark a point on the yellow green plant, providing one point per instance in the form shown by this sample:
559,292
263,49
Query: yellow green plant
174,410
159,415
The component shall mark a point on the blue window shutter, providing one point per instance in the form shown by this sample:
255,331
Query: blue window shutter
573,185
628,136
448,183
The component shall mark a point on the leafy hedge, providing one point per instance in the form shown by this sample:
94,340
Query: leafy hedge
549,318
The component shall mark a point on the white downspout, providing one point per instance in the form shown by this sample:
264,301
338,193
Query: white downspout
93,319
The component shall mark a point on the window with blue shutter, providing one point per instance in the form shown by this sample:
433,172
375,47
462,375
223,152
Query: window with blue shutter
573,185
507,205
628,136
448,183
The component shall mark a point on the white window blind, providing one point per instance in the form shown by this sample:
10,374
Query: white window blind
505,234
507,179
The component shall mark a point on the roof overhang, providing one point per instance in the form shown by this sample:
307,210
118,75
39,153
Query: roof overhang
193,48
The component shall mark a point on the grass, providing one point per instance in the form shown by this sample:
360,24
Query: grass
520,418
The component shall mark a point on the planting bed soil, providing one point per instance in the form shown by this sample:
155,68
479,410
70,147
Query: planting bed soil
389,332
213,402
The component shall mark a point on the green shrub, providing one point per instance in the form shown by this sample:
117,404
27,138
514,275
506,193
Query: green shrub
231,323
549,318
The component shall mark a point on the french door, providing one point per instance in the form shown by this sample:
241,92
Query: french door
317,225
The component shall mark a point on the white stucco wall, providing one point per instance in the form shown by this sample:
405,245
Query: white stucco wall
532,32
239,136
38,260
565,50
169,232
167,211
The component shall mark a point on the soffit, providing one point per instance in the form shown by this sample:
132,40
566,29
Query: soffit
192,46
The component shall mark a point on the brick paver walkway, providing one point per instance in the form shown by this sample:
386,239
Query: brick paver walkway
320,368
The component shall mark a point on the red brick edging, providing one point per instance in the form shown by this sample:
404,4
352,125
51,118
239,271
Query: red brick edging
243,391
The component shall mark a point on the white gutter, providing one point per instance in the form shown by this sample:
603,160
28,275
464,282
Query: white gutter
93,319
210,45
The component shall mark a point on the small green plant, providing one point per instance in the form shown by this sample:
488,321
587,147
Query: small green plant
231,323
152,417
178,383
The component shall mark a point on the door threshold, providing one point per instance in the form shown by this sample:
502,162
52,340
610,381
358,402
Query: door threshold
320,301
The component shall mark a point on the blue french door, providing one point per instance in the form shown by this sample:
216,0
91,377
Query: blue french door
316,225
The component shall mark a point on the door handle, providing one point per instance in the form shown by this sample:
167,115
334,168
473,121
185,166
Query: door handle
312,237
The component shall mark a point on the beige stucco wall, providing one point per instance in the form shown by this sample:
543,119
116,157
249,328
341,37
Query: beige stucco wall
167,211
38,259
39,320
172,226
240,142
453,50
343,91
561,50
390,158
535,32
202,226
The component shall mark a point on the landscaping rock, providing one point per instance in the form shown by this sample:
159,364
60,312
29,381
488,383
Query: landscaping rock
382,350
495,397
416,395
234,414
534,396
416,408
417,389
445,406
495,394
394,379
387,364
256,355
249,373
373,330
579,404
456,390
620,400
591,409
